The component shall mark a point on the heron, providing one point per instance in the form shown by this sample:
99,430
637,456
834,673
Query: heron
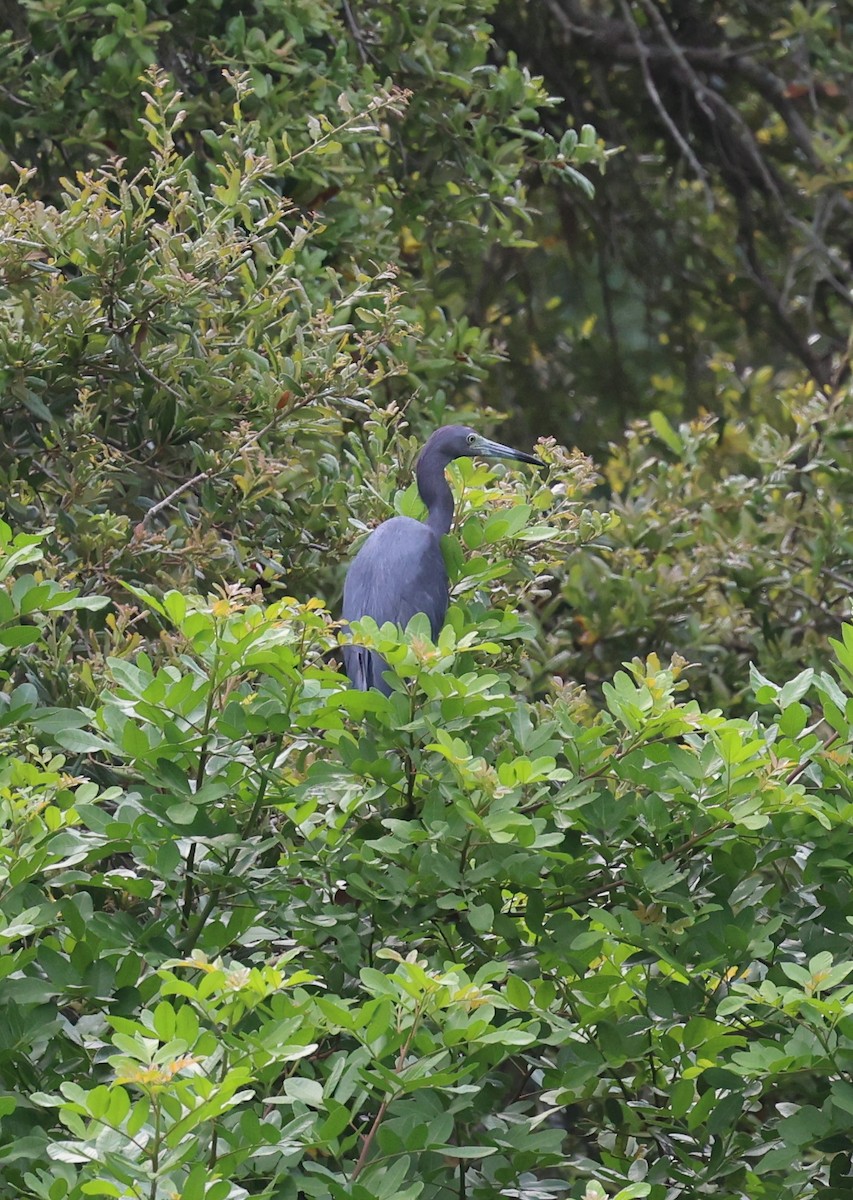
400,571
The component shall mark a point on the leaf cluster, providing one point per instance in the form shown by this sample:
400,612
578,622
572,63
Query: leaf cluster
266,936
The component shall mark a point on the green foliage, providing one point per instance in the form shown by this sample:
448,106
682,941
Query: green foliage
191,327
728,546
131,346
493,934
219,353
720,233
266,936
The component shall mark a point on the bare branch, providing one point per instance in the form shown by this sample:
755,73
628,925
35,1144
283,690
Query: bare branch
654,96
209,473
161,383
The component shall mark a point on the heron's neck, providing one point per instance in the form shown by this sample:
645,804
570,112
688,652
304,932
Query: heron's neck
435,491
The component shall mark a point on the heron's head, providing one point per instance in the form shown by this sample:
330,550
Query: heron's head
458,441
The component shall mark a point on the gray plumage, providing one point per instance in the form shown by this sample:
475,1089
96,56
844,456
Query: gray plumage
400,571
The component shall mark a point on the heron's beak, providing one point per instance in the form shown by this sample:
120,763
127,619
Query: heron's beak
497,450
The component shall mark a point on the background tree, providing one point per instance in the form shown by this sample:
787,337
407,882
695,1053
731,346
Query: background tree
720,237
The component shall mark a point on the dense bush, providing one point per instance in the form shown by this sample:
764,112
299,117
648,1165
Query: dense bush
263,935
180,362
728,546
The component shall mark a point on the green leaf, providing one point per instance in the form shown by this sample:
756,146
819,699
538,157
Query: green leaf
175,605
796,688
53,720
146,598
104,46
101,1187
19,558
518,992
182,814
19,635
82,741
506,524
481,916
86,603
666,433
793,719
465,1152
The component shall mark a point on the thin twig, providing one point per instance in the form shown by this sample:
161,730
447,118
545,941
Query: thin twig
161,383
361,1163
357,35
209,473
654,96
625,880
654,15
798,770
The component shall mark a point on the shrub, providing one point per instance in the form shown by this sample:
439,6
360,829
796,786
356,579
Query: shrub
263,935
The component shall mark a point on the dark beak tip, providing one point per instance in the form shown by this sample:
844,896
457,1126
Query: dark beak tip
498,450
529,458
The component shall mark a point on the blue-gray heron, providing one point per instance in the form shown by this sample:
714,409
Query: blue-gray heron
400,571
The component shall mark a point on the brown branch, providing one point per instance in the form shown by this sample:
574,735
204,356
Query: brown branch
653,13
722,140
709,101
161,383
654,95
695,838
621,881
772,88
209,473
370,1136
796,343
366,55
611,37
798,770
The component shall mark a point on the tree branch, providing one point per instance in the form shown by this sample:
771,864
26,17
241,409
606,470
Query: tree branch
208,474
654,95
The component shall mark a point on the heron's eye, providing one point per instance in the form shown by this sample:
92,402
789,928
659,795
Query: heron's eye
472,437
